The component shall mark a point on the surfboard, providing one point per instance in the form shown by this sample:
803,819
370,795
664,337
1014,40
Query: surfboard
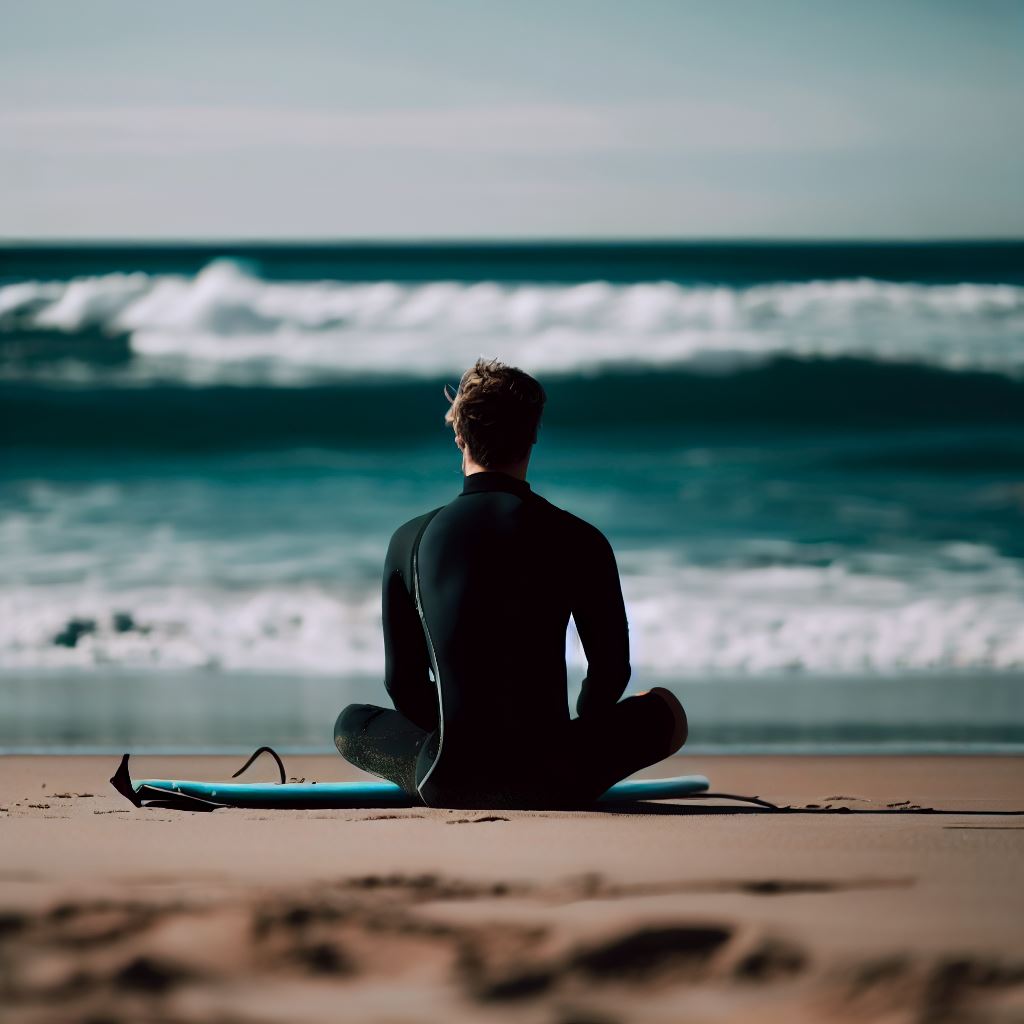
194,795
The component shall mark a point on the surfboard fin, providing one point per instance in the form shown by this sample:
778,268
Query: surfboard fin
121,780
150,796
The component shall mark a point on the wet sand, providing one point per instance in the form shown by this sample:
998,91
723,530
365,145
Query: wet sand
849,909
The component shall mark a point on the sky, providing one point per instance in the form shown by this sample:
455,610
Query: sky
415,119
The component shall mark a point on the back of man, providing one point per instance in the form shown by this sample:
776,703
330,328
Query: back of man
500,572
496,588
477,596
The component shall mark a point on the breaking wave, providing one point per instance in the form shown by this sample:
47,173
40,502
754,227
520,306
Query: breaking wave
225,325
961,608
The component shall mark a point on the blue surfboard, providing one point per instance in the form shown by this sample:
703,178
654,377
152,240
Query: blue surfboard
193,795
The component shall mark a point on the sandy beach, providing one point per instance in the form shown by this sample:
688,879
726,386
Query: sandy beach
694,911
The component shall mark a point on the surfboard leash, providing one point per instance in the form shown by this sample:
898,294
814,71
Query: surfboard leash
264,750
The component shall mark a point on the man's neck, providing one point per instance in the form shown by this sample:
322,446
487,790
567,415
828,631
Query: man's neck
516,469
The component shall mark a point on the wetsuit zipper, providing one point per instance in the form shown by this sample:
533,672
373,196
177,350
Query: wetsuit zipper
430,650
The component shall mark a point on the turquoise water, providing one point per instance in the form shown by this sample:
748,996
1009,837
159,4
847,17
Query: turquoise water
808,459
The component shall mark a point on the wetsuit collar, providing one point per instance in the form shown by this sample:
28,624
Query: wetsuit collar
493,480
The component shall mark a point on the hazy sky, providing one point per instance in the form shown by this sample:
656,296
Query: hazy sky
511,118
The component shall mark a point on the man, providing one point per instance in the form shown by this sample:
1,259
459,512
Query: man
477,596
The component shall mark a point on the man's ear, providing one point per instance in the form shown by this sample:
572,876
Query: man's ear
460,444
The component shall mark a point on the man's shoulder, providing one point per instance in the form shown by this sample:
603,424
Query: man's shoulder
575,527
409,529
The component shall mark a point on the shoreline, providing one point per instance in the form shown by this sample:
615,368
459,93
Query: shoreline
898,749
165,712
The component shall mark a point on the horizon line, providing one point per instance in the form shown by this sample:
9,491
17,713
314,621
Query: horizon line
497,241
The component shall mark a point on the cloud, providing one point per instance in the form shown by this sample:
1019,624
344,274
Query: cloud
214,129
677,126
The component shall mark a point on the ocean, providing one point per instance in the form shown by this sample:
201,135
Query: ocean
809,460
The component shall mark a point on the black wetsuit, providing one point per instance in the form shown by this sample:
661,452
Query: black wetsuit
477,596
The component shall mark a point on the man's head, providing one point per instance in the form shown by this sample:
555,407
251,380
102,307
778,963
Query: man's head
496,412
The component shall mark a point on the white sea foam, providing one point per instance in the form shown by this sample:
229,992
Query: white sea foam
962,610
226,325
828,620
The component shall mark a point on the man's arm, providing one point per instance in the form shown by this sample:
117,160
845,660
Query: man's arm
406,659
600,616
